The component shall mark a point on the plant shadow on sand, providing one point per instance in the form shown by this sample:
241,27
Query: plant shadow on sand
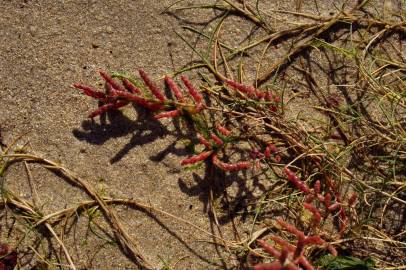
145,129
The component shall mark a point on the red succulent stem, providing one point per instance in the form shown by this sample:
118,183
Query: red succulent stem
268,266
223,130
193,159
290,228
267,152
131,87
309,198
91,92
305,263
352,199
108,107
249,90
334,206
270,148
198,107
269,249
154,89
269,96
299,246
259,94
281,264
242,165
216,139
139,100
315,212
314,239
296,181
332,250
110,81
316,187
192,90
327,200
168,114
174,88
204,141
283,243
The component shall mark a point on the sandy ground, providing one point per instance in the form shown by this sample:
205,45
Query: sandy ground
46,46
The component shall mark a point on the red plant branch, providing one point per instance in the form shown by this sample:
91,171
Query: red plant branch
174,88
193,159
131,87
154,89
296,181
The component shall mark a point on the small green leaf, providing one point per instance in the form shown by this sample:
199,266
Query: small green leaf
330,262
123,75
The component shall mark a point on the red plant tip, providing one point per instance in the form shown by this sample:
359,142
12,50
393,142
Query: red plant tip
89,91
315,212
316,187
110,81
154,89
269,249
193,92
278,158
309,198
223,130
259,94
305,263
216,139
284,254
254,154
299,184
290,228
174,88
168,114
320,197
249,90
108,107
267,152
314,240
334,207
272,108
198,107
131,87
352,199
203,141
193,159
268,266
327,200
242,165
271,148
269,96
332,250
283,243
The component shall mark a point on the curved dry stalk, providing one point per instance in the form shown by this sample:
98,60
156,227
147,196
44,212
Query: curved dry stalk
127,202
51,230
124,239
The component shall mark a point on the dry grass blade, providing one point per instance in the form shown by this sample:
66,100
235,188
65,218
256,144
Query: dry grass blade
124,239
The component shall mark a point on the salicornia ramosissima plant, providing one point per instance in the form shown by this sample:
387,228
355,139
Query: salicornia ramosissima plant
214,138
